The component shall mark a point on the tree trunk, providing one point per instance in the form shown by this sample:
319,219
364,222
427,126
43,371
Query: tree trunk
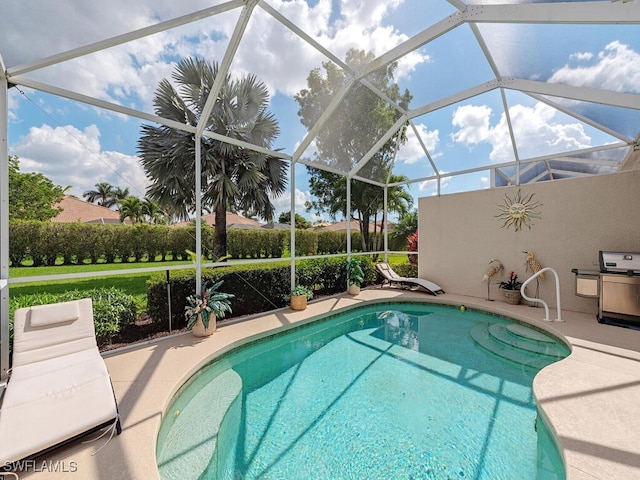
220,233
376,240
364,231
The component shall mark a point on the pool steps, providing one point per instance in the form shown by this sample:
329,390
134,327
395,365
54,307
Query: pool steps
516,343
187,448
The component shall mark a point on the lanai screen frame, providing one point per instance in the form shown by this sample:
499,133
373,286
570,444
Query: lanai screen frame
472,14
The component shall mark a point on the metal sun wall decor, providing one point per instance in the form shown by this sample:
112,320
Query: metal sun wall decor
519,211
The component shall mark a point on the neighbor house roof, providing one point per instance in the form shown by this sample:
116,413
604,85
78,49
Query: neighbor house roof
340,226
76,210
233,220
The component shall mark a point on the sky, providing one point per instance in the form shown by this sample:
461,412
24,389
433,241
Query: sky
79,145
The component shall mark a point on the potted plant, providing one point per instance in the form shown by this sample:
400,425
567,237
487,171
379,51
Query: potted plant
355,276
203,308
511,289
298,297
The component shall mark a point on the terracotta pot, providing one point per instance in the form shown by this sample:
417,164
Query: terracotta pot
353,289
298,302
514,297
199,330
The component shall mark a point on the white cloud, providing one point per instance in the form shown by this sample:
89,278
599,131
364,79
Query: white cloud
13,102
473,122
130,72
412,151
283,203
617,68
537,130
430,187
72,157
581,56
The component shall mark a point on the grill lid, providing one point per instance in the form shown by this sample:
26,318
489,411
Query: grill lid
627,262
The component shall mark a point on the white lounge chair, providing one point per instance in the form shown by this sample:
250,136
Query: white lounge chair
59,387
391,277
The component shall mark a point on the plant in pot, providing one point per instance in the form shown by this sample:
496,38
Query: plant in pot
298,297
355,276
203,308
511,289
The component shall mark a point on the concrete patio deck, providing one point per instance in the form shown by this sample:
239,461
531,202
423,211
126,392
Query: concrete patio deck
591,399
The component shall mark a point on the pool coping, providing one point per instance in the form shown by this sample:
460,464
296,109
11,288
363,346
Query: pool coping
597,427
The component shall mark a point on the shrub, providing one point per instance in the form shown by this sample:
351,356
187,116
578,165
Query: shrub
306,242
330,242
256,288
405,269
111,308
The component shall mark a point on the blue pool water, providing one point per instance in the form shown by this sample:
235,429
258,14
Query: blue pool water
385,391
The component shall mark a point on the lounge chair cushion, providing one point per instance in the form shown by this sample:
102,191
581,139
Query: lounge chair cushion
55,338
58,313
46,404
392,277
59,386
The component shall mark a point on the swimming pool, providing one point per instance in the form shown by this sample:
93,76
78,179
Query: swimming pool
397,390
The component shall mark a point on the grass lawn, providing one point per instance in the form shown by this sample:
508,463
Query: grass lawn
131,283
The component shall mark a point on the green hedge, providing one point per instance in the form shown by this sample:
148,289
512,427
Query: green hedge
48,243
256,289
112,308
256,243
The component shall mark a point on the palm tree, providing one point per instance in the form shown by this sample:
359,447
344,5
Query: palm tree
102,195
118,196
233,178
407,225
152,212
131,207
399,201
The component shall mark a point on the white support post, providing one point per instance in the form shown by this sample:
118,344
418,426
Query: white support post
384,226
292,224
348,210
198,198
4,229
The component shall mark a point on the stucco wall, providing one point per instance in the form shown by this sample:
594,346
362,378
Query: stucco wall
459,234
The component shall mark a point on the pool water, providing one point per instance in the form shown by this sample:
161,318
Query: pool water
385,391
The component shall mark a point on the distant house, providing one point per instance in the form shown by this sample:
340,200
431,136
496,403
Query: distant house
233,221
342,226
76,210
277,226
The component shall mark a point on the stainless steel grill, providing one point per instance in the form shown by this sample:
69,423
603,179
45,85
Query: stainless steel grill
619,301
617,287
620,262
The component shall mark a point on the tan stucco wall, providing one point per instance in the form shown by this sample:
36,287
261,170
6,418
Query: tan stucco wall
459,234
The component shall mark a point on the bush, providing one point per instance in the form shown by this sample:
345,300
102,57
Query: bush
331,242
306,243
112,308
405,269
256,289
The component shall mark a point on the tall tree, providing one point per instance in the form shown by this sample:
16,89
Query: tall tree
301,222
32,196
103,194
132,208
233,178
344,140
118,195
152,212
407,225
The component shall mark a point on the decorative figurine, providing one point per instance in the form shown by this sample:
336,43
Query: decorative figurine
495,265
